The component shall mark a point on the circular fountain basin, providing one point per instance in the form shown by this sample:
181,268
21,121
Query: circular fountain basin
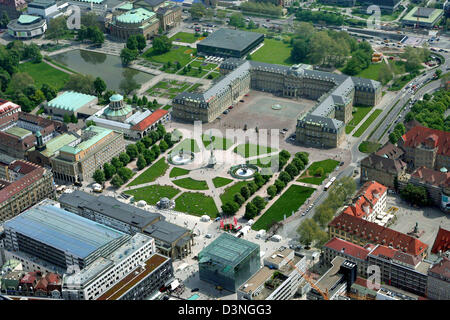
181,159
243,171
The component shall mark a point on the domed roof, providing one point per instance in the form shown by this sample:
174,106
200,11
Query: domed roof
38,133
116,97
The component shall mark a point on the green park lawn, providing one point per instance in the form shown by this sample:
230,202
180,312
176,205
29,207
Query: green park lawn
193,73
274,51
220,182
250,150
367,123
196,204
181,54
198,63
308,176
184,37
191,184
371,72
289,202
360,113
218,143
228,194
152,194
157,170
369,147
177,172
187,145
43,73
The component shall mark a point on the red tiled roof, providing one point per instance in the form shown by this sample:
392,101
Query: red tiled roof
53,278
366,199
349,248
22,183
433,177
30,277
384,251
42,285
151,119
442,241
442,268
419,135
375,233
7,106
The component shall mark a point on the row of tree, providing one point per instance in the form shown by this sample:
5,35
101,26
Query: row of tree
117,171
231,207
319,17
430,112
135,45
399,130
416,195
267,8
93,34
312,230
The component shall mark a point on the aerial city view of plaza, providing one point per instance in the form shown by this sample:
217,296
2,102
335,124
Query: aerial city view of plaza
224,150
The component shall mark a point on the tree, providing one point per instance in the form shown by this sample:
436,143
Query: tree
197,11
140,146
237,20
416,195
99,176
393,137
285,177
163,146
73,118
125,173
127,55
238,198
57,28
141,42
116,163
97,36
161,44
4,20
147,141
272,191
245,192
19,81
438,73
141,163
308,231
258,179
109,170
385,73
5,78
66,118
124,158
132,43
149,156
33,53
298,163
279,185
400,128
251,25
99,86
284,154
319,172
292,169
116,181
252,187
80,83
259,203
230,208
156,150
49,91
300,50
132,151
221,15
250,211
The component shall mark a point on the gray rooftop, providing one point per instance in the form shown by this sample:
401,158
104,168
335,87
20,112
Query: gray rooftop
110,207
231,39
165,231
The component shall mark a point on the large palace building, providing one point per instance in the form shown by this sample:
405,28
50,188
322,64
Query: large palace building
321,127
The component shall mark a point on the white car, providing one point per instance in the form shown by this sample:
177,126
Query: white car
208,235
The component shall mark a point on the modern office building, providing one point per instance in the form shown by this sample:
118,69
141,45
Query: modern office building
363,232
152,275
71,103
59,237
47,9
279,279
18,132
25,185
134,124
438,286
321,127
336,281
422,17
27,27
228,261
77,163
170,239
229,43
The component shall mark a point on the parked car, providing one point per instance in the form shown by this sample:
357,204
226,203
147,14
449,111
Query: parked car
208,236
241,101
226,112
230,107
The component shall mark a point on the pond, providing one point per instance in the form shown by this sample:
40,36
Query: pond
105,66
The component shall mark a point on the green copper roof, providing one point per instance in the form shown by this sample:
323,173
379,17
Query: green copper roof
57,143
135,16
444,169
127,6
410,16
26,19
116,97
18,132
71,100
99,133
38,134
118,113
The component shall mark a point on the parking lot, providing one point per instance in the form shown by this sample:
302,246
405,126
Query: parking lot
429,219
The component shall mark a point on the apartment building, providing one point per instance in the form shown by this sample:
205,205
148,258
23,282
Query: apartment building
77,163
24,185
438,287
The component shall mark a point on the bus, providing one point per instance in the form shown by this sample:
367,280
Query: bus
328,185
